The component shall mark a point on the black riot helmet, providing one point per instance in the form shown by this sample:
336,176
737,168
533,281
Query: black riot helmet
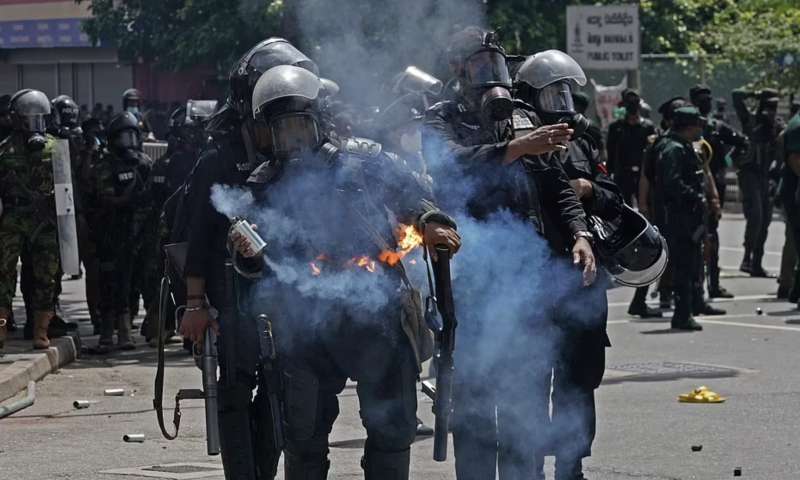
546,81
267,54
480,64
29,110
65,112
131,100
123,132
631,249
285,108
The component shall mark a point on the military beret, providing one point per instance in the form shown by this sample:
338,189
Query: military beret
688,115
768,94
699,89
630,91
670,105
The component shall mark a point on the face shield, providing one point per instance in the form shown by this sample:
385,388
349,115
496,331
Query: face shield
128,140
556,98
487,68
35,123
293,134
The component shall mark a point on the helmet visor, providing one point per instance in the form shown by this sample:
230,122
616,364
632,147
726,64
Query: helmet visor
635,277
556,98
33,123
294,133
128,139
487,67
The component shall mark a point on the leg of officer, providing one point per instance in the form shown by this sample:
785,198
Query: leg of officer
765,215
11,239
751,205
389,414
45,263
474,425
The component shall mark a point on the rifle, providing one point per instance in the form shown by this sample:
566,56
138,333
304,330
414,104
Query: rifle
207,363
442,393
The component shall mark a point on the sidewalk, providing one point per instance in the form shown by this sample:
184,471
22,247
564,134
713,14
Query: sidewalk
21,364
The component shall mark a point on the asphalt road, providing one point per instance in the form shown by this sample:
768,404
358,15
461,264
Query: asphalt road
643,432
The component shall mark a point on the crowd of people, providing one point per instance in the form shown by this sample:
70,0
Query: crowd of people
500,151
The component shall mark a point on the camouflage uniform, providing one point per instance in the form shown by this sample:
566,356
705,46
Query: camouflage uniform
28,222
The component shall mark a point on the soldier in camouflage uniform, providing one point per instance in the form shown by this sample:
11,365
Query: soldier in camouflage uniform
28,221
120,194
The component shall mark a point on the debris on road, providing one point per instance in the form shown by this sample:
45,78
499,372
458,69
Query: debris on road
701,395
114,392
133,438
737,472
697,448
759,311
81,404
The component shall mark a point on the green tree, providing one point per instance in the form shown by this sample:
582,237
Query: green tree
756,36
176,34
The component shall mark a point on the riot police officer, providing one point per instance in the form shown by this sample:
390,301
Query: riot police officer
724,141
477,138
120,191
681,189
132,103
245,425
28,218
5,118
762,128
580,362
337,190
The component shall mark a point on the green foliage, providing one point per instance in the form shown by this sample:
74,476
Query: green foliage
753,35
176,34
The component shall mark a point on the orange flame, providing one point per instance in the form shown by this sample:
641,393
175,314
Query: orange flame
364,262
408,239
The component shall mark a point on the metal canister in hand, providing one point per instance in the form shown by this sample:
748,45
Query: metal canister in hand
252,239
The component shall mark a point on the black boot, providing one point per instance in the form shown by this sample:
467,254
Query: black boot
298,468
640,308
686,324
569,470
719,292
385,465
706,309
423,430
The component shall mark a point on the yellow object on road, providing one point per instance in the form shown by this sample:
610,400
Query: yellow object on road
701,395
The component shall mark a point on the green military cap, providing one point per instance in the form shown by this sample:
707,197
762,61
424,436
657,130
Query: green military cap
769,94
686,116
699,89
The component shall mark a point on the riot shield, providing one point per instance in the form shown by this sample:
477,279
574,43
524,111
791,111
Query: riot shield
65,209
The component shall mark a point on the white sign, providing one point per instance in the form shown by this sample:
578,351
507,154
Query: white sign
604,38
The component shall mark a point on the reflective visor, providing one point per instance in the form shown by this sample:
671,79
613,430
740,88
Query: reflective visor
33,123
294,133
487,67
556,98
128,139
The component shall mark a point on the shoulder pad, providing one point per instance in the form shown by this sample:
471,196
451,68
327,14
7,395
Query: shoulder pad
362,147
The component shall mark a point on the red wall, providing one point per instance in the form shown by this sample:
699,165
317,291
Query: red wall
156,85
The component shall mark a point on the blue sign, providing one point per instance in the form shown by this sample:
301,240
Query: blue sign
64,32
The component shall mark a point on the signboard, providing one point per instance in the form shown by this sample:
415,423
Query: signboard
63,32
604,38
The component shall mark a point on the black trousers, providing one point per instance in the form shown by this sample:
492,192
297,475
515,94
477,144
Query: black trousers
686,269
501,397
757,206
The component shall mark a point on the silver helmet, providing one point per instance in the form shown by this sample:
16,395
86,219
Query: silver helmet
550,66
284,81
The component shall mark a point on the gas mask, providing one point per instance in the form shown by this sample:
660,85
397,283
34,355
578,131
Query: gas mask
33,127
294,135
554,105
486,74
134,109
